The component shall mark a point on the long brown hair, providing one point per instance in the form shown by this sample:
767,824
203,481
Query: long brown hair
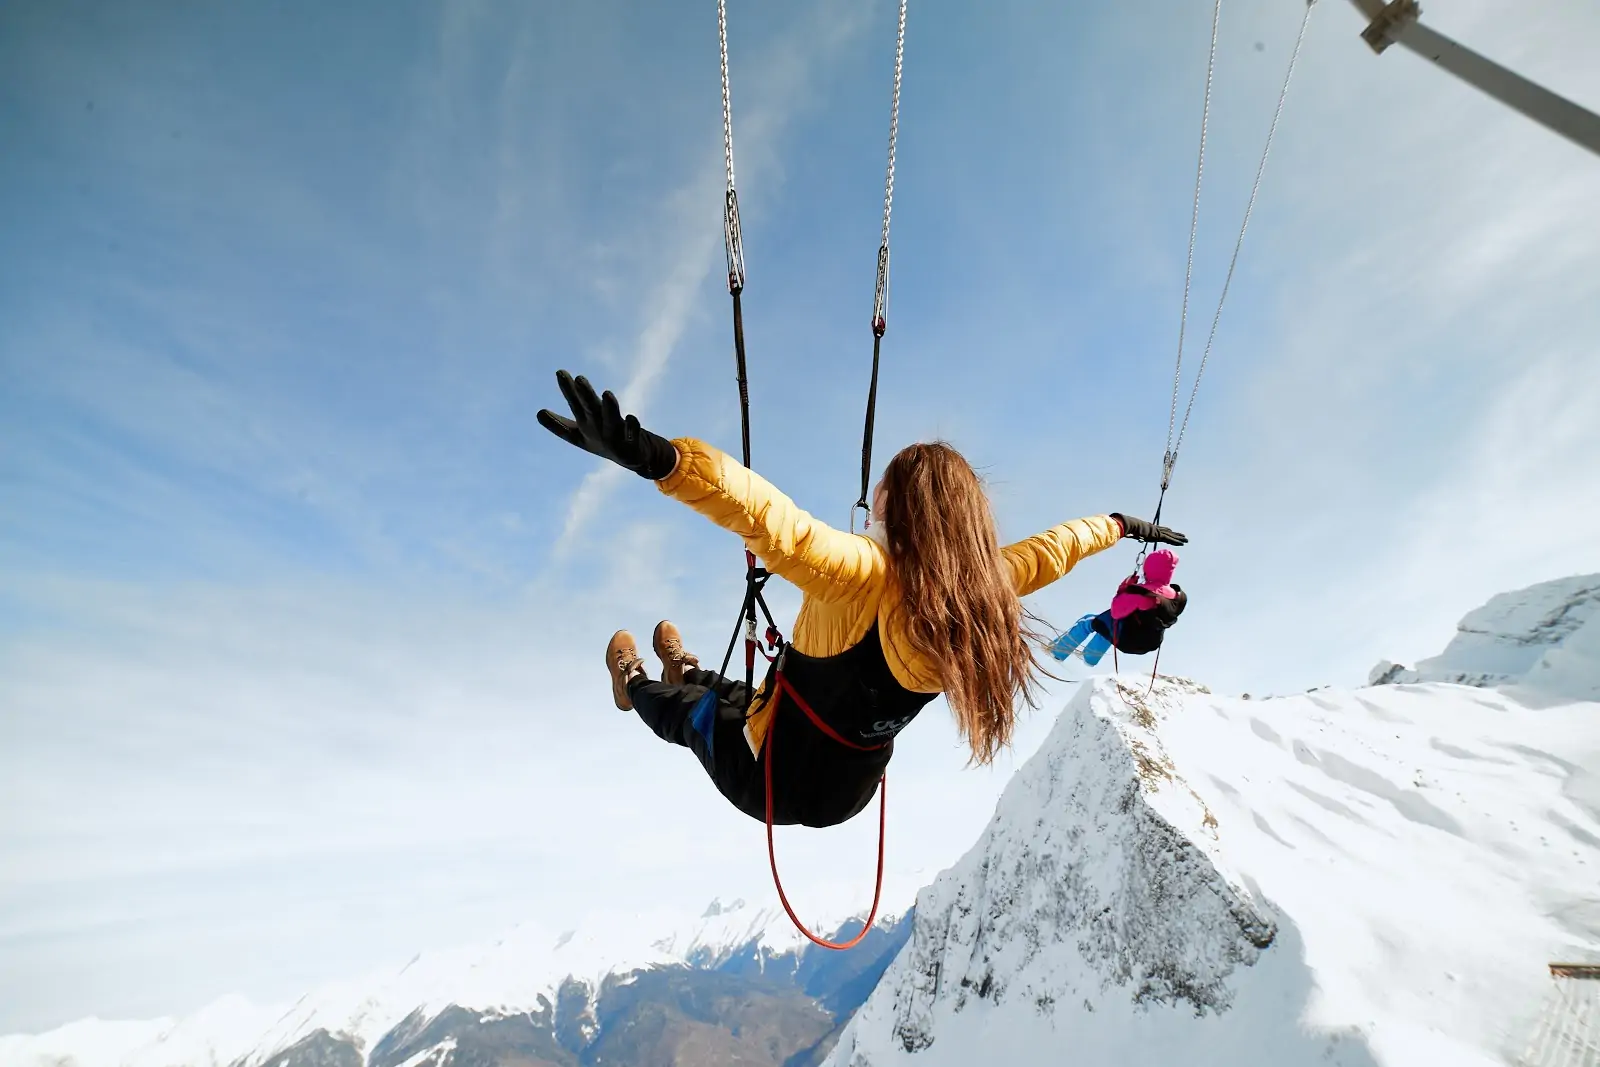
965,616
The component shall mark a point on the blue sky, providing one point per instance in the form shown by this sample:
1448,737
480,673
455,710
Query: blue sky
301,613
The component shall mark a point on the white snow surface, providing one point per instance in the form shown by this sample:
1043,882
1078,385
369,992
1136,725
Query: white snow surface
508,975
1411,856
1346,879
1545,638
86,1043
530,962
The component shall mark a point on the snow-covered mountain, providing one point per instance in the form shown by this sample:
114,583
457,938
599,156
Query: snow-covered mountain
528,966
1546,637
1339,878
1346,879
536,996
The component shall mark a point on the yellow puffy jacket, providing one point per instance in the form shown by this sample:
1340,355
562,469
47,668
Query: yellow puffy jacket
845,578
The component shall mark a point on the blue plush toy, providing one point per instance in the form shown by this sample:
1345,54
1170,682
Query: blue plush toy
1083,630
1139,616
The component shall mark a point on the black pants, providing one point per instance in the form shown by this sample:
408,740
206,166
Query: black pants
706,715
816,781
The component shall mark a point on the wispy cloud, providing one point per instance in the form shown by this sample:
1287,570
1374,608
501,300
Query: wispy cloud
779,84
1394,414
670,307
286,661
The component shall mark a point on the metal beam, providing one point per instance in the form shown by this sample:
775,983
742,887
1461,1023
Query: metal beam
1396,23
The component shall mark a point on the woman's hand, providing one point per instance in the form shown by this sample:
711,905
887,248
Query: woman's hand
598,426
1148,532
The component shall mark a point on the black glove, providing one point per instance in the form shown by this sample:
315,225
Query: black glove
1149,532
598,426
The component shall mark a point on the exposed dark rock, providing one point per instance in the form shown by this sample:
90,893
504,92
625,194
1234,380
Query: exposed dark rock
318,1049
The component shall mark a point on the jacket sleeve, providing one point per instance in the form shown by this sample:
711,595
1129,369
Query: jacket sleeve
823,562
1043,558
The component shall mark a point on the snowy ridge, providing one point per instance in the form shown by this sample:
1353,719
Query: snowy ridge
215,1036
516,972
511,975
1097,893
1358,878
86,1043
1367,878
1546,637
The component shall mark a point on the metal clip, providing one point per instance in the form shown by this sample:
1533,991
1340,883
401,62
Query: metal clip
733,241
858,505
880,297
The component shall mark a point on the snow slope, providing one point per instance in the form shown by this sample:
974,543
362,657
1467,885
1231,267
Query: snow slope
1345,879
509,975
1546,637
1339,878
86,1043
513,973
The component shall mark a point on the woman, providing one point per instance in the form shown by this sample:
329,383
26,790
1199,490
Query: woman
926,603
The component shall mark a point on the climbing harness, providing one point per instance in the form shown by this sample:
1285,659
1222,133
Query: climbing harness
771,645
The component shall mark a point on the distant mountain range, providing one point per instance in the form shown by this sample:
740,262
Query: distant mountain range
1378,876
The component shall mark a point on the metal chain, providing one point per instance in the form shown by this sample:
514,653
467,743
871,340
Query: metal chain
880,299
1255,190
732,236
880,295
727,106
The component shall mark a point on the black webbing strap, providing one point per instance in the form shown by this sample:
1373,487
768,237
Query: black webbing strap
880,325
755,577
743,378
755,581
872,413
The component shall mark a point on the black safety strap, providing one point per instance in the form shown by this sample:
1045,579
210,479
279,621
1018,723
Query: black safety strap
733,239
878,328
755,581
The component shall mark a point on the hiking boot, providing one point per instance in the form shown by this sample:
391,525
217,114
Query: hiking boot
622,660
668,643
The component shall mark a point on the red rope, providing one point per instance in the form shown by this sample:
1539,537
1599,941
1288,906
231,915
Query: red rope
782,687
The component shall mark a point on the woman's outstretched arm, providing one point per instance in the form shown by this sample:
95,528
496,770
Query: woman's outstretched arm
1045,557
824,562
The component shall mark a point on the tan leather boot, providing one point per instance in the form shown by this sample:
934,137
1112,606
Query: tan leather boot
622,660
668,644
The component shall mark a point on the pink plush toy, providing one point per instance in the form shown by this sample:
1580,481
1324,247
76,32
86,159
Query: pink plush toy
1134,596
1140,615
